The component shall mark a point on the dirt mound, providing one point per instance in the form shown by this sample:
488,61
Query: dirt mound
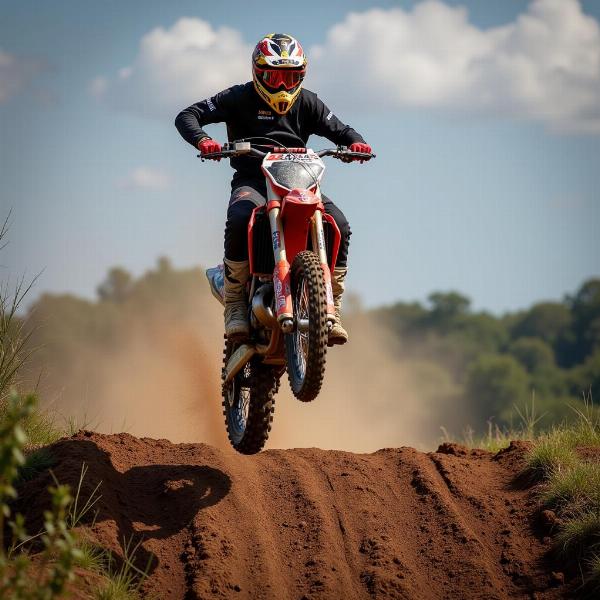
310,523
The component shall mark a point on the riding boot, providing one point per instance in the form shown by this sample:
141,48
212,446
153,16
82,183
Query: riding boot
337,334
236,304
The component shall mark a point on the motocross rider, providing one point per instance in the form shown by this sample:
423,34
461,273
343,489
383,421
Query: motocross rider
272,109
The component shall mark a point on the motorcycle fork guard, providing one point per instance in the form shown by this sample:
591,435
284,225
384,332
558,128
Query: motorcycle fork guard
281,273
318,244
237,361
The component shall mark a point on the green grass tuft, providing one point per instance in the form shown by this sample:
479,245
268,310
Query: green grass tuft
579,534
593,570
93,557
121,586
35,462
550,455
573,487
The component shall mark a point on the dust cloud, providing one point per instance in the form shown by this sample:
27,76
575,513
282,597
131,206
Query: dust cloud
162,380
372,397
158,377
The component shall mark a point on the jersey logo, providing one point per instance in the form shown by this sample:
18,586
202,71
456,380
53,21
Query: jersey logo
265,115
210,105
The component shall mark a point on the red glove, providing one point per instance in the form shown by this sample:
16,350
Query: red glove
208,146
359,147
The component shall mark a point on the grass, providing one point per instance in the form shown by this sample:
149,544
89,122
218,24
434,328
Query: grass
593,570
26,572
572,486
579,534
79,509
92,557
36,461
497,438
565,461
116,582
122,582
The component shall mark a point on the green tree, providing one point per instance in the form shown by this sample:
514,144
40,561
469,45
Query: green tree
117,286
549,321
533,353
585,378
585,308
446,306
495,384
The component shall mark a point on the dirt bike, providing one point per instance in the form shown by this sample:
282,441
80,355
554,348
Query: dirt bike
292,247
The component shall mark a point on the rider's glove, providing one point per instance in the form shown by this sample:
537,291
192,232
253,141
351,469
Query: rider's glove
209,146
359,147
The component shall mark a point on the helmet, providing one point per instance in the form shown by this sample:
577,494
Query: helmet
278,68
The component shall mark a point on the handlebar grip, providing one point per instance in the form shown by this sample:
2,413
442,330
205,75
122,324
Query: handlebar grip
214,155
365,155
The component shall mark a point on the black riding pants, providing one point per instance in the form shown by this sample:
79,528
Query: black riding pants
245,198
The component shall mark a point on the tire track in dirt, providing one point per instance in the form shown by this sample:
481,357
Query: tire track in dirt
307,523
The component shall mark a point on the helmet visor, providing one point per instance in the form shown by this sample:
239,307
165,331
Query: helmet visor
278,78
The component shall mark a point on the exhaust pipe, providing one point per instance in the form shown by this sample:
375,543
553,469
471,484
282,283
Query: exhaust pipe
261,306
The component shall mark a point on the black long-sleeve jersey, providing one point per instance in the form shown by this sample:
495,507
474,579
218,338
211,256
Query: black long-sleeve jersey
247,116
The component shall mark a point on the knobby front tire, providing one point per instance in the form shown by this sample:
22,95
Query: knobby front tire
306,350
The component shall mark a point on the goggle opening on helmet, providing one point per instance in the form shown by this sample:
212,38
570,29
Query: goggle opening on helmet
277,78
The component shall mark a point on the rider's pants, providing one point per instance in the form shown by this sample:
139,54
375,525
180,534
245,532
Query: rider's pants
245,198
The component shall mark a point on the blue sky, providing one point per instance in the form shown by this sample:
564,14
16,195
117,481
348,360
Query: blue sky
485,121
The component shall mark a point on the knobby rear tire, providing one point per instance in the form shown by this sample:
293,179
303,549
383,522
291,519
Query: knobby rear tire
306,367
256,384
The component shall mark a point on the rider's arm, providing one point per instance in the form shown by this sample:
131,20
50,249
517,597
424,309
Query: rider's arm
190,121
326,124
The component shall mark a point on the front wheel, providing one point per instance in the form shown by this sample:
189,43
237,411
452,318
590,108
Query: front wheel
248,403
306,346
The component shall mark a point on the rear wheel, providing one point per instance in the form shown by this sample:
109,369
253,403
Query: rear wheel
249,403
306,346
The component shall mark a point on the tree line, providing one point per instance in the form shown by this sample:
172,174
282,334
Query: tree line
549,353
489,365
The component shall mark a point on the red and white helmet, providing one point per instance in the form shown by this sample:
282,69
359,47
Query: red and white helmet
278,69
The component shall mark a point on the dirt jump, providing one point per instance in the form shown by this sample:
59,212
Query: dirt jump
309,523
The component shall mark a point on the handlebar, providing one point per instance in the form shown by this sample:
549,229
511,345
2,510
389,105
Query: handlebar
245,149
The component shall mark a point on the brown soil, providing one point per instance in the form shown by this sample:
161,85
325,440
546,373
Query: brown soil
311,523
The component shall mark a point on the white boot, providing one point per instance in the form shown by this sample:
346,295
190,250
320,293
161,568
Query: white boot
337,334
236,303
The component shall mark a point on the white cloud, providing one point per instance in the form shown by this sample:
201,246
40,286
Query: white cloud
176,67
145,179
544,66
15,74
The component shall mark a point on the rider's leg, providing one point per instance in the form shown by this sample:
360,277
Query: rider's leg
338,335
243,201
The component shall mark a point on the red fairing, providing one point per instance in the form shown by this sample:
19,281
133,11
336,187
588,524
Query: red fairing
298,207
337,239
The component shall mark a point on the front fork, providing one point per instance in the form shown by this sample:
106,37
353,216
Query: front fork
318,244
281,274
